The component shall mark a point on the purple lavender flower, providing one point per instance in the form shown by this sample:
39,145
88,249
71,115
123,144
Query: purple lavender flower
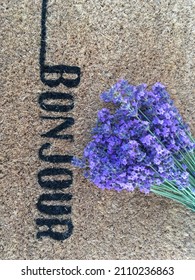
78,162
157,108
137,146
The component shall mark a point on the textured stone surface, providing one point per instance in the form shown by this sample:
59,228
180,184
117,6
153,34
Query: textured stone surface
142,41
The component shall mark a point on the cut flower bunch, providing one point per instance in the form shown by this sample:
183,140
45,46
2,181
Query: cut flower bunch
143,145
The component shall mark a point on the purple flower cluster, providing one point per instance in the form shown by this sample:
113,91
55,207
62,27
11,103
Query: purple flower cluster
134,146
157,108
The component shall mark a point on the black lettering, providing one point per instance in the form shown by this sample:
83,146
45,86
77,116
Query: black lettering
53,158
54,209
43,34
53,133
55,184
56,69
58,271
48,271
56,96
60,70
50,223
52,76
44,271
78,271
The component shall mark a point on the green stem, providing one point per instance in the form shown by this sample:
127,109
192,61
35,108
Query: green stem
185,197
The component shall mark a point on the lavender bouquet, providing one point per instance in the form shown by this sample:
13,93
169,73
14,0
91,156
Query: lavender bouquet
144,144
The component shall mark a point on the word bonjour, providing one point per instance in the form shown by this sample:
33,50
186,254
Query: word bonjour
50,203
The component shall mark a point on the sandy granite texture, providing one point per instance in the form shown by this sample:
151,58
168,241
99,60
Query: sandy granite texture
142,41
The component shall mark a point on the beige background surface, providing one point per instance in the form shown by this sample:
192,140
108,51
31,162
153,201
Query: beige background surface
142,41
